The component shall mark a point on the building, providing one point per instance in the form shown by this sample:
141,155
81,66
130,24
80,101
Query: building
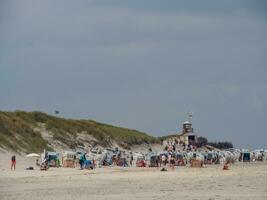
188,135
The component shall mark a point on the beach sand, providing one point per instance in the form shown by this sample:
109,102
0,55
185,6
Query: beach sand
244,181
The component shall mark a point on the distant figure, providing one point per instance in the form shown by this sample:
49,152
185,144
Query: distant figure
226,166
160,160
75,161
163,169
57,163
131,160
37,162
82,160
13,162
157,161
172,163
93,162
164,159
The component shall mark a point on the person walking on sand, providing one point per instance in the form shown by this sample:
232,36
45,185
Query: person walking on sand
13,162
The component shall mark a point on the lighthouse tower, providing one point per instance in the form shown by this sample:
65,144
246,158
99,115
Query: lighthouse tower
188,135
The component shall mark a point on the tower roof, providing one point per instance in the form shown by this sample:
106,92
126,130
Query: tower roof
187,122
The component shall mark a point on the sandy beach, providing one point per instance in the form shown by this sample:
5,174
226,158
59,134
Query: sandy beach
133,100
242,181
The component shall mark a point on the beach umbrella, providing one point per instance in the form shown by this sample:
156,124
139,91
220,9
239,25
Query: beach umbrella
33,155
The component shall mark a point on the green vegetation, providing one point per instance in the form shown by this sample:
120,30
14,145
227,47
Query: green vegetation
162,138
221,145
18,133
202,141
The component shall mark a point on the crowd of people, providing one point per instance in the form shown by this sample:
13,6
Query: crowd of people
171,157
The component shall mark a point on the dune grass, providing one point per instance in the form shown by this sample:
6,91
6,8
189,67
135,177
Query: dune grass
17,132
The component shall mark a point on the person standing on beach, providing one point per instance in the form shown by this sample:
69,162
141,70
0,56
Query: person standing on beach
164,159
160,160
131,159
82,160
13,162
172,162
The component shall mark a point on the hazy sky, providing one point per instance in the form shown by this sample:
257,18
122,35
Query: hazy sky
140,64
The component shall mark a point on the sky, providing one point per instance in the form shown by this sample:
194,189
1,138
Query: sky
140,64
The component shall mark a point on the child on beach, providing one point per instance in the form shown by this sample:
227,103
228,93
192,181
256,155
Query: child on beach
226,165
